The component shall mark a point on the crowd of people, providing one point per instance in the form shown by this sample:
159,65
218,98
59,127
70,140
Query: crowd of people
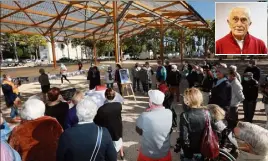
50,129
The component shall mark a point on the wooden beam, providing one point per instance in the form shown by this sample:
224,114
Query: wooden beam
58,17
169,14
53,50
19,9
53,16
31,33
95,50
39,26
115,31
161,40
182,45
165,6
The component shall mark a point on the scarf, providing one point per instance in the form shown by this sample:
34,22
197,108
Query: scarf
220,81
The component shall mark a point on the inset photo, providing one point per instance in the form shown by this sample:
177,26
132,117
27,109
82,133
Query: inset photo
241,28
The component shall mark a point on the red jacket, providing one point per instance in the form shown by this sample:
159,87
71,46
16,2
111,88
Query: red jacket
252,45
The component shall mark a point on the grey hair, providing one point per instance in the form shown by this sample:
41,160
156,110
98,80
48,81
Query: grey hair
86,110
246,9
255,135
33,109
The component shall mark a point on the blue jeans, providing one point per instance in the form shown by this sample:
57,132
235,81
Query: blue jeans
14,112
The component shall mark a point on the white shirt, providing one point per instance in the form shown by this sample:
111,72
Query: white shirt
240,43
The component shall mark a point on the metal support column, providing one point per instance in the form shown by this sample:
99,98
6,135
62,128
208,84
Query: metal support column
94,50
161,40
53,49
116,38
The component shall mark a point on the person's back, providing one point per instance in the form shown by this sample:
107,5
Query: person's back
43,79
79,142
58,111
109,116
157,124
250,89
36,140
174,78
221,94
194,120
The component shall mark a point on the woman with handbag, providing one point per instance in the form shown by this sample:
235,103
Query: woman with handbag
194,123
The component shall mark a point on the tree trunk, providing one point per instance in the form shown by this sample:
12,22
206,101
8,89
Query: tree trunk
15,49
68,51
36,53
76,53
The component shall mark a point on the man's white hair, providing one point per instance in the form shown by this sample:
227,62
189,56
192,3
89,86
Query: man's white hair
246,9
256,136
33,109
86,110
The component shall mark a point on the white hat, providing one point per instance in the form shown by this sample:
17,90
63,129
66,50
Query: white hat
157,97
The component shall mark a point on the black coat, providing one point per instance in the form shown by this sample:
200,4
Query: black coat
221,95
256,72
109,116
192,125
174,78
94,79
207,84
192,78
250,90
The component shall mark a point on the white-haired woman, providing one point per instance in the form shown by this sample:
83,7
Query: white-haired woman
86,141
234,69
252,142
36,138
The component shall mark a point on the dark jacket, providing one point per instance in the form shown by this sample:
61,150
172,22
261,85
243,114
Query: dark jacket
192,125
71,118
145,75
221,95
250,90
109,116
94,78
78,143
192,78
58,111
207,84
264,93
9,95
174,78
256,72
117,76
168,69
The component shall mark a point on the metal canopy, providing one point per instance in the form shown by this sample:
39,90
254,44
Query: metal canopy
83,19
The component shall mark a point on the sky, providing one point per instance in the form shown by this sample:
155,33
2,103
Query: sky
205,9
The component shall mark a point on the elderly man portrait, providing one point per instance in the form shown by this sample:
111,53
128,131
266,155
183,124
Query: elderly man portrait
239,40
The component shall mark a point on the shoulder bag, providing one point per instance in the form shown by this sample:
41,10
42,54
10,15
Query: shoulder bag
209,143
97,145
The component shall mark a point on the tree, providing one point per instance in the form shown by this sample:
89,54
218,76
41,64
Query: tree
67,42
35,41
76,42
